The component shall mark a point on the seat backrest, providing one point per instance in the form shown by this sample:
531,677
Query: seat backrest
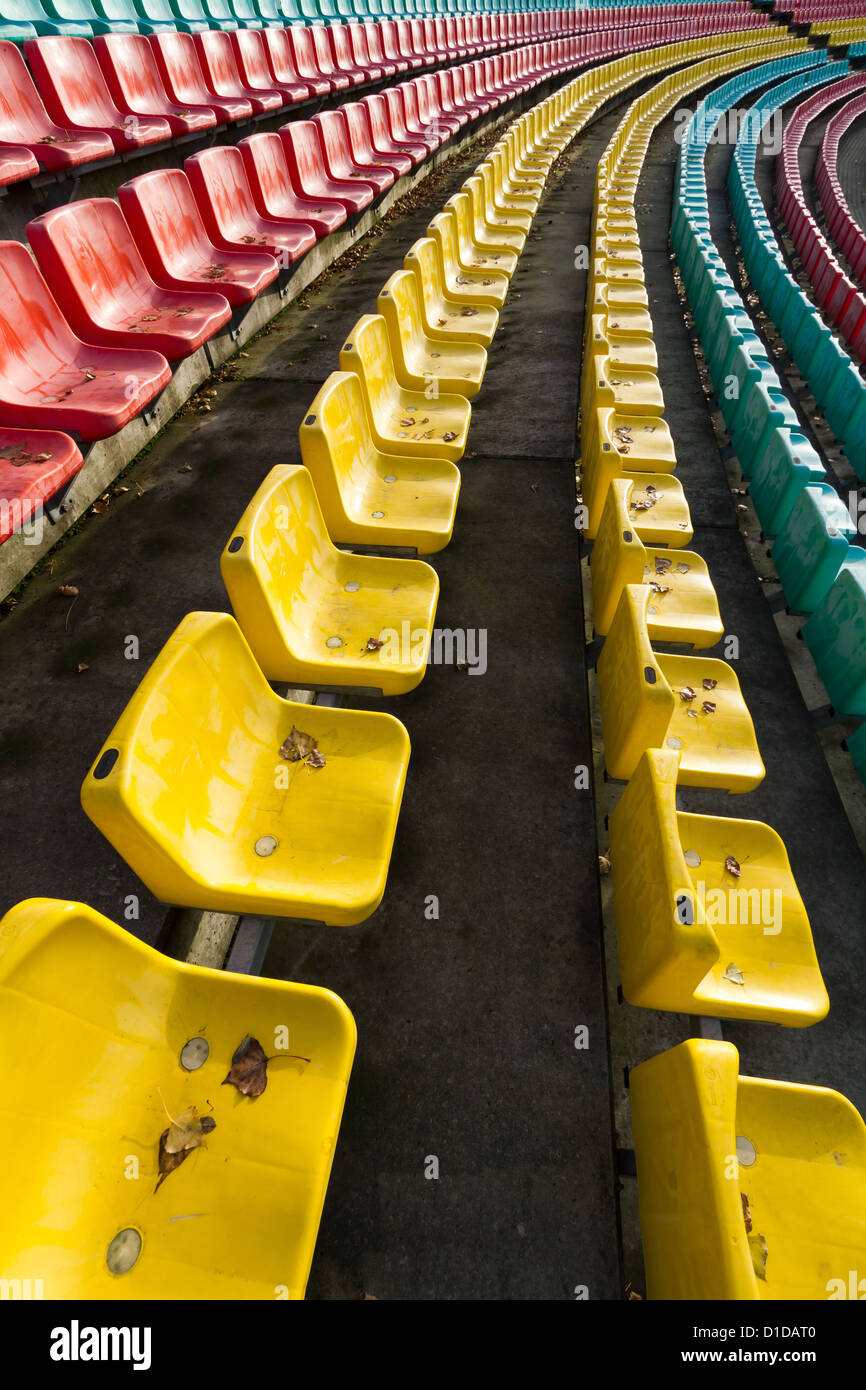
421,258
88,256
324,54
394,97
219,184
367,352
218,62
618,556
302,143
35,339
303,49
400,306
836,636
357,124
130,72
71,82
22,114
337,443
335,142
636,701
267,172
164,219
251,58
178,63
279,54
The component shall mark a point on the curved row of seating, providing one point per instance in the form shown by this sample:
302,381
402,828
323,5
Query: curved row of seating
218,791
839,32
692,928
846,232
835,292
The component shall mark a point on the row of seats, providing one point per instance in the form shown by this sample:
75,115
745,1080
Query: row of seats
217,789
839,32
803,11
843,301
846,232
693,931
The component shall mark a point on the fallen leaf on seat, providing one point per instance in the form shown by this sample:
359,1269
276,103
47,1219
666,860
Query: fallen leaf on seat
734,974
68,591
373,644
448,436
747,1211
184,1134
686,694
759,1252
468,313
708,707
249,1069
406,423
708,683
316,759
604,865
683,568
298,746
662,565
216,271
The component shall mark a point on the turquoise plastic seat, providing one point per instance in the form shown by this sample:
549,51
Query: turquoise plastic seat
244,11
812,546
82,12
836,636
27,19
155,16
787,465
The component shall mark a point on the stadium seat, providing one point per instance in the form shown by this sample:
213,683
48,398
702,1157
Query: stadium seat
232,221
449,314
81,12
683,605
789,464
309,610
375,166
836,636
423,363
76,97
281,63
309,173
268,176
415,145
402,158
136,88
181,72
657,507
25,122
256,70
219,66
16,163
96,274
486,286
34,466
812,545
790,1216
477,245
134,1042
340,81
339,159
403,422
304,54
709,920
645,703
192,789
369,497
49,379
165,221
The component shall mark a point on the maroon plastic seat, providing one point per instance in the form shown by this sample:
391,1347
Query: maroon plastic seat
25,124
164,219
251,56
391,46
309,172
376,50
231,219
270,182
73,88
405,45
376,169
179,67
16,164
281,62
95,272
341,51
136,88
34,466
219,65
384,148
338,157
303,49
49,378
417,148
340,81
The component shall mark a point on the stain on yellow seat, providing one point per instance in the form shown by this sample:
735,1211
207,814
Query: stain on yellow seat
642,706
403,422
801,1175
692,936
486,286
308,609
683,605
191,790
456,313
102,1020
421,362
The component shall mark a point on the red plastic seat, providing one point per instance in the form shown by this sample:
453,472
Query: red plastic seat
419,43
25,124
309,172
461,94
231,219
405,45
430,109
356,135
270,182
251,56
136,88
49,378
95,272
384,149
417,148
179,67
391,45
359,53
372,36
281,64
340,81
16,164
73,88
431,135
432,42
219,65
164,218
34,466
338,158
341,52
303,50
444,82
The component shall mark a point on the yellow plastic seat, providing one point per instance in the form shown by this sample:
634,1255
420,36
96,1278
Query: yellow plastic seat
367,497
625,352
495,232
609,444
644,704
486,286
683,604
420,361
477,248
627,390
748,1189
104,1022
192,790
506,210
694,936
625,286
308,610
457,315
511,183
403,422
622,317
